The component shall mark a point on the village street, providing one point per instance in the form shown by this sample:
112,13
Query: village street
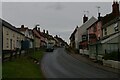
59,64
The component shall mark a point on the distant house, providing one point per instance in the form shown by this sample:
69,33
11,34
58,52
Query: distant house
12,38
72,38
81,34
37,38
42,38
28,35
57,43
47,37
60,42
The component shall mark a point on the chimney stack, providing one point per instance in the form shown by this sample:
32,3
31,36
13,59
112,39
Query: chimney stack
85,18
56,36
38,29
35,28
22,26
99,16
115,8
43,31
47,32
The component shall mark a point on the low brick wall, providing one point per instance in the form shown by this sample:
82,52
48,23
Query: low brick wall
84,51
111,63
100,57
92,56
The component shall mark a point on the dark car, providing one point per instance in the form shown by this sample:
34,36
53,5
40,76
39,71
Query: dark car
50,47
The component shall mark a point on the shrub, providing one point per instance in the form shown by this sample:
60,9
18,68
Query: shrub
112,56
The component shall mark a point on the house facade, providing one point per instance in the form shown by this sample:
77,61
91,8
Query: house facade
103,27
28,35
111,36
37,41
81,35
111,27
95,32
42,38
11,37
72,38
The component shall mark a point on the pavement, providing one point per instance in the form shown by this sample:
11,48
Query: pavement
91,62
59,64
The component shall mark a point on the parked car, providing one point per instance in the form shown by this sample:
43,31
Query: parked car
50,47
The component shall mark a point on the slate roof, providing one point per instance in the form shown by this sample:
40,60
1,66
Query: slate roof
108,18
111,22
87,24
73,34
8,25
22,29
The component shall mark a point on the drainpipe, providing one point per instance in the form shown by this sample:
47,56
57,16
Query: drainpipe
97,50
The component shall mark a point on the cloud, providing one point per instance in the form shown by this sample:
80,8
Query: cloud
63,34
55,6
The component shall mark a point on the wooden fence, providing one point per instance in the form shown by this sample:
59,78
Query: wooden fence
12,54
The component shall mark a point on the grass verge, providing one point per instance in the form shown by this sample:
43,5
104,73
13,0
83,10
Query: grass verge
23,67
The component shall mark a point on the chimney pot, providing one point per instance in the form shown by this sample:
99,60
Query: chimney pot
43,31
99,16
38,29
47,32
22,26
85,18
115,8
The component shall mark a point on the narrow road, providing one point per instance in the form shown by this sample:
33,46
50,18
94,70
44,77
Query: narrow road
59,64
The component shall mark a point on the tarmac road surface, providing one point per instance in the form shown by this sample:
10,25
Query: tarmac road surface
59,64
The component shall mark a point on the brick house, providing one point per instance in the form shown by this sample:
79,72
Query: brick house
96,32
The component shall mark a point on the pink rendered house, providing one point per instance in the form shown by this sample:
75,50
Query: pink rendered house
95,32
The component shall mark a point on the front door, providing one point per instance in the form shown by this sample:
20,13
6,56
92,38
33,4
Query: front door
10,44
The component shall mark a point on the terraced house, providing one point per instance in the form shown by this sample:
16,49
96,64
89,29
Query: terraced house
37,38
11,37
81,42
99,32
28,35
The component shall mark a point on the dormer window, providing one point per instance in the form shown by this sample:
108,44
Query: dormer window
116,27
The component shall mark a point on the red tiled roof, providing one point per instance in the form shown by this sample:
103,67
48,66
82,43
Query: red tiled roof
36,33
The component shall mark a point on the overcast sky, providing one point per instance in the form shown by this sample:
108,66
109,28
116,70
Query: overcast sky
59,18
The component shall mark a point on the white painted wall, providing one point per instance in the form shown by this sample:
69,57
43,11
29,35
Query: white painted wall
82,30
7,38
110,29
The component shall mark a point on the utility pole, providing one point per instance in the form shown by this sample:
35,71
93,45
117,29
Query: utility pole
98,8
